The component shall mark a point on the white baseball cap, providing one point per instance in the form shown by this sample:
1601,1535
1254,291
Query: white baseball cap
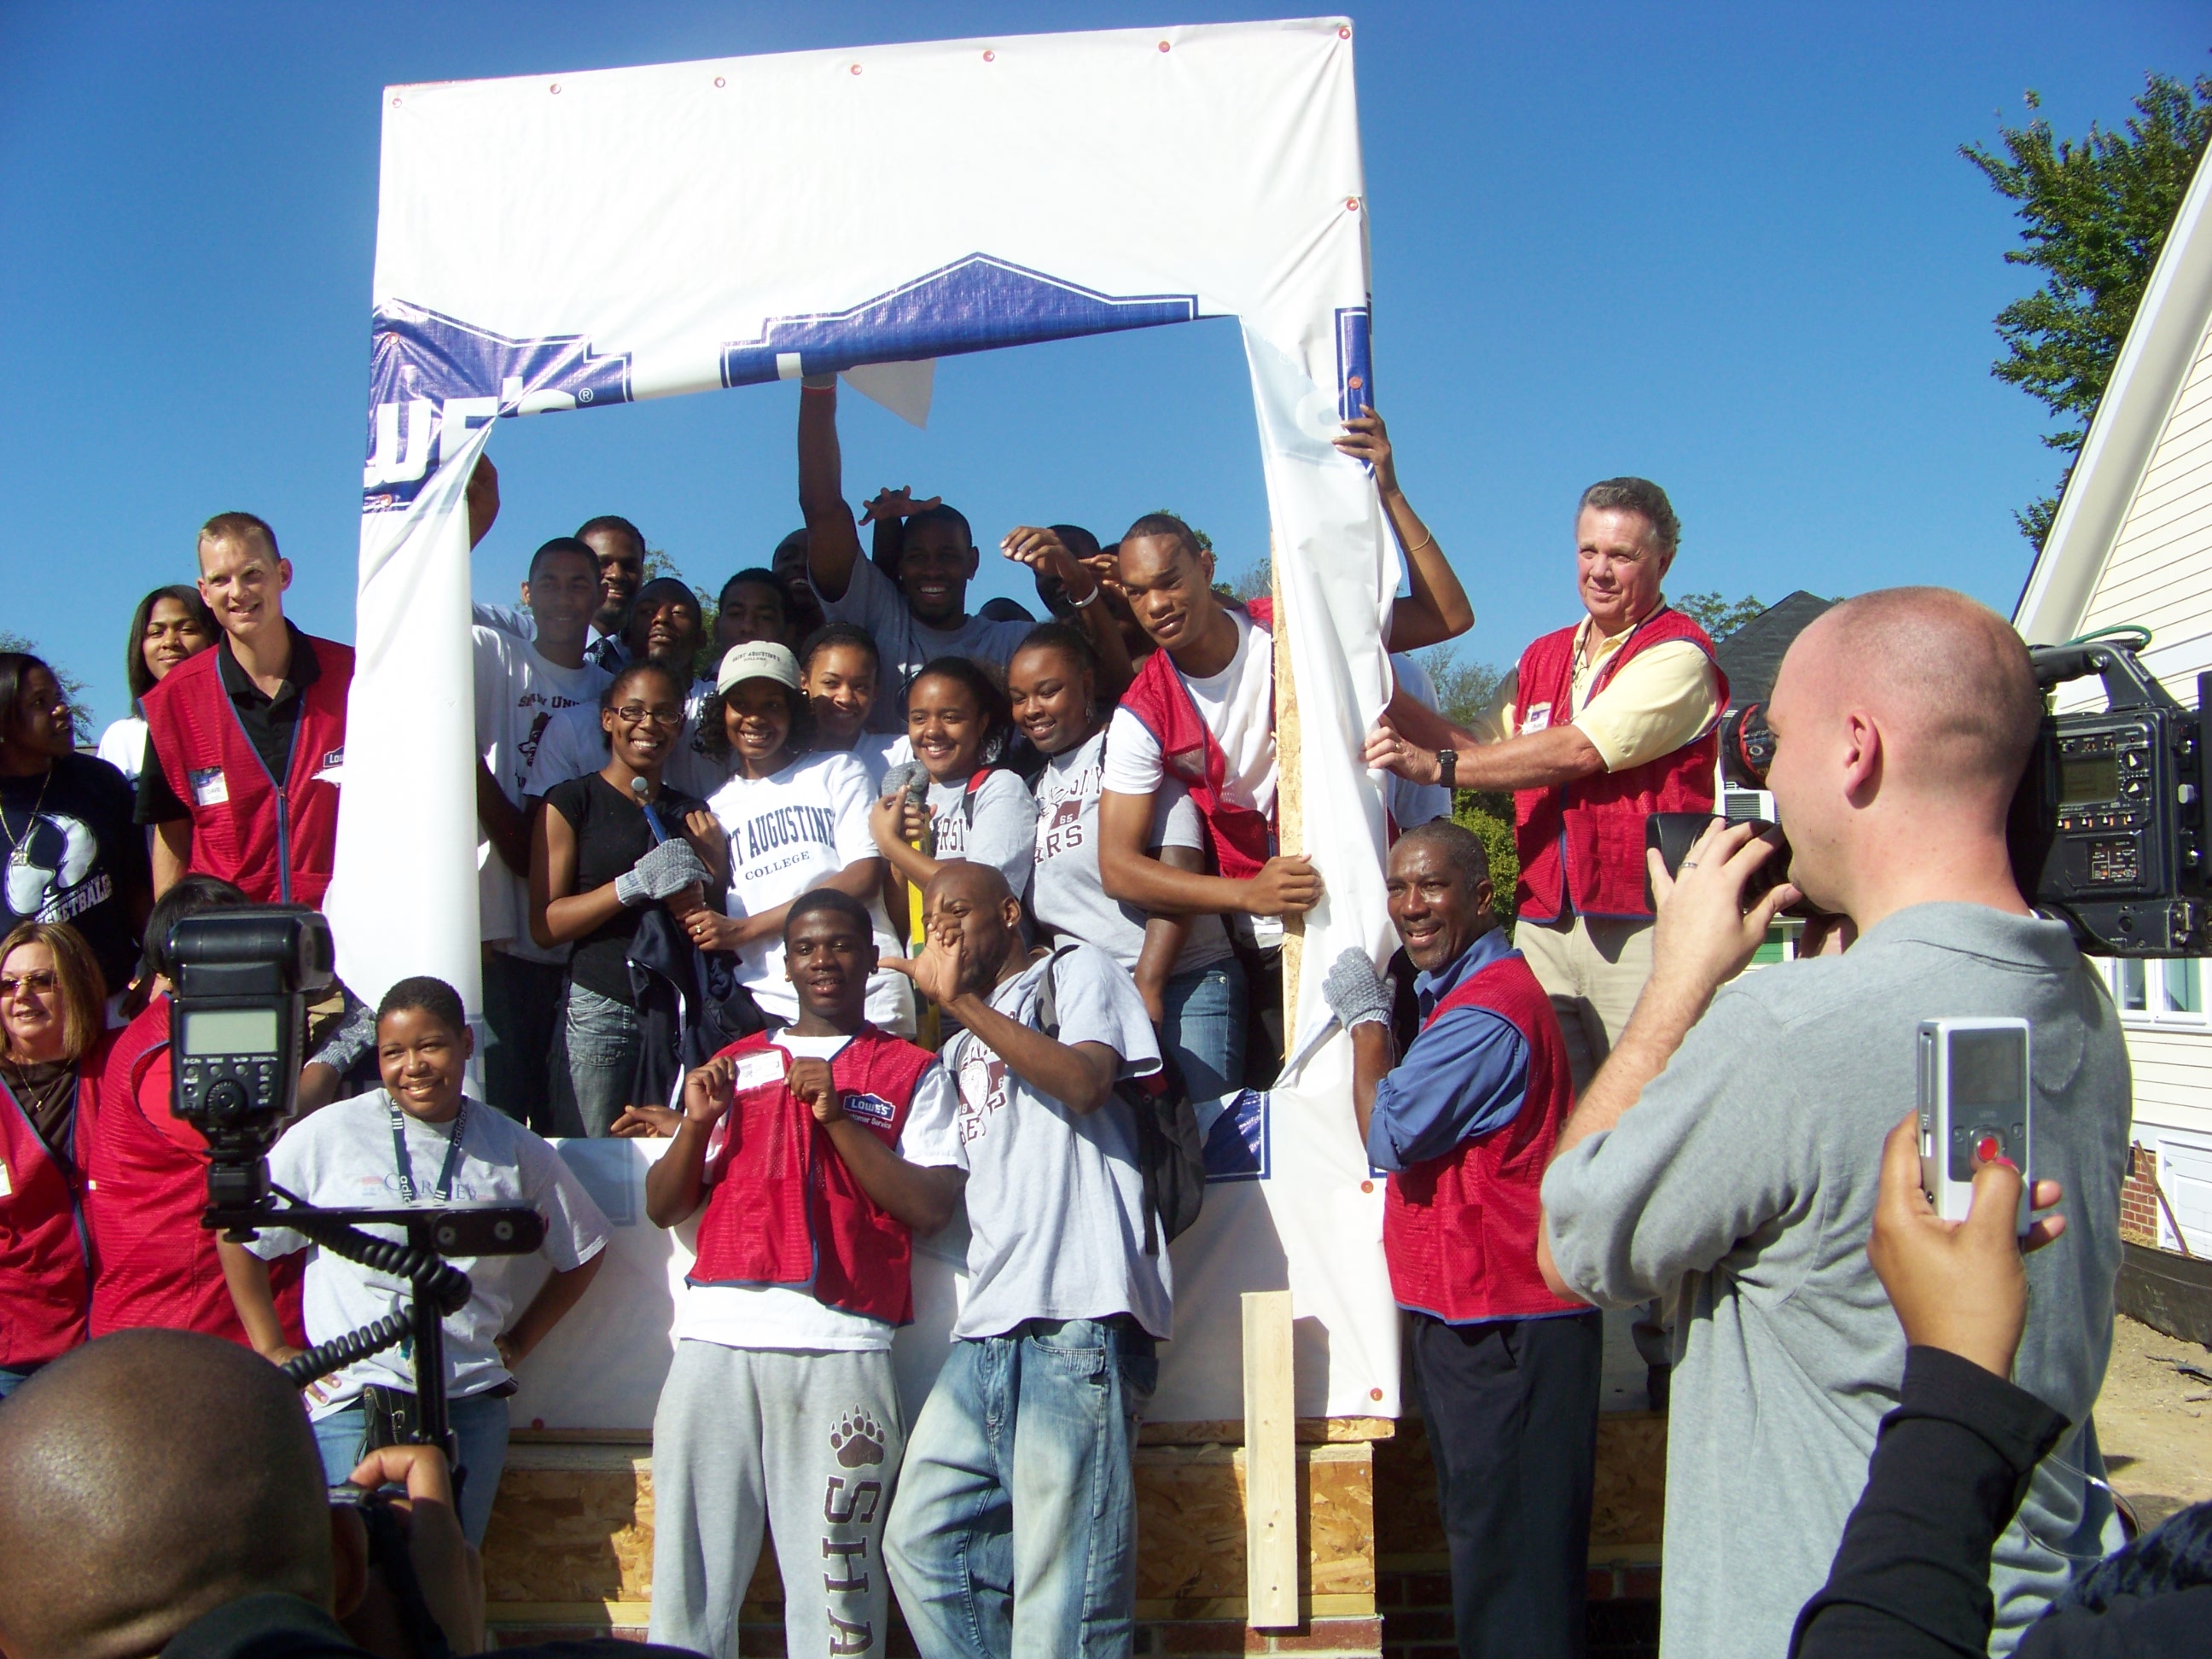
757,659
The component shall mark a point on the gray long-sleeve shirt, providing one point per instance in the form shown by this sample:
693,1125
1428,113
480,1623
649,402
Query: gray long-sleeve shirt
1742,1185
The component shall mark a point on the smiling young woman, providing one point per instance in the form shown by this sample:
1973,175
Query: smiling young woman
51,1037
170,624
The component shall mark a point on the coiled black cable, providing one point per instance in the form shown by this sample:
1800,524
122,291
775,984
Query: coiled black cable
447,1286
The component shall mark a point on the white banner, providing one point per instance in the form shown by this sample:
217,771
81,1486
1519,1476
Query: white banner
570,241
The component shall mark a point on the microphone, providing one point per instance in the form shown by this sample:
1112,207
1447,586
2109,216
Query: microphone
638,786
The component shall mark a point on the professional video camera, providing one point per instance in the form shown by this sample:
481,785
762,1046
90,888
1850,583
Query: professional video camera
2108,829
237,1031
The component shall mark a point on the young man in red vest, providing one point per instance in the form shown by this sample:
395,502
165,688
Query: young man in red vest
1601,725
818,1150
1505,1371
245,743
1202,711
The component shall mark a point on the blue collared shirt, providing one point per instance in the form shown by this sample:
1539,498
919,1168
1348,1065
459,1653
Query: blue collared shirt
1464,1077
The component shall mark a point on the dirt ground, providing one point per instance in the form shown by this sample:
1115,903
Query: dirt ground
2154,1422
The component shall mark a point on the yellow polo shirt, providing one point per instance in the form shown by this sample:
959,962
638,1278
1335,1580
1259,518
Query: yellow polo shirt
1665,698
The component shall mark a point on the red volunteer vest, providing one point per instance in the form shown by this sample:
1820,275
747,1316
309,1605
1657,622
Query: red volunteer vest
1460,1232
1191,755
786,1210
276,843
143,1194
46,1265
1581,844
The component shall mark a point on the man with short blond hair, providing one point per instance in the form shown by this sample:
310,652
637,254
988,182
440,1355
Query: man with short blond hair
245,743
1728,1156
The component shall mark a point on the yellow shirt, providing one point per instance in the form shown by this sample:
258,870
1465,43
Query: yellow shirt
1665,698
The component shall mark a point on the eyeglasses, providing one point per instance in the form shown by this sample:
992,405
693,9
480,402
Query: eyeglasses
38,984
636,713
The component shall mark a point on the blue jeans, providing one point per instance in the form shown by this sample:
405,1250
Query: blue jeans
12,1380
602,1045
480,1426
1204,1027
522,1017
1014,1533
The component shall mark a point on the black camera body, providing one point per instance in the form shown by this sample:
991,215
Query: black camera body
238,1027
2108,830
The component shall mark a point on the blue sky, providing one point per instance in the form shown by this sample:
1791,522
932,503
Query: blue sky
1731,248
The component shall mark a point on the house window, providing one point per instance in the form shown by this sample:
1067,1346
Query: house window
2151,992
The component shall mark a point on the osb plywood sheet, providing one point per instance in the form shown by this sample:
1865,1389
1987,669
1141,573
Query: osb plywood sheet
1629,1496
566,1536
1190,1522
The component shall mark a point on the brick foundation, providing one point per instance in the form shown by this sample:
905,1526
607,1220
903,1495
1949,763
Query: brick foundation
2139,1198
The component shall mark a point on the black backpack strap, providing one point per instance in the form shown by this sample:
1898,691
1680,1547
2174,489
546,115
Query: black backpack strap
1047,1001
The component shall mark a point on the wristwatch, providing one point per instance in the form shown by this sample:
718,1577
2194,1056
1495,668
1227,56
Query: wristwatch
1448,767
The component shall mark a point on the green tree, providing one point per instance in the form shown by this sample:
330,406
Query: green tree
1491,819
2096,211
72,688
1463,688
1718,616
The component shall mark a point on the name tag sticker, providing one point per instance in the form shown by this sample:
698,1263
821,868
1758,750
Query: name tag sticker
1537,718
756,1070
209,787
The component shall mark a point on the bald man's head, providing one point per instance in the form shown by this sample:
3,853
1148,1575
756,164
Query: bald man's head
1948,676
148,1478
974,899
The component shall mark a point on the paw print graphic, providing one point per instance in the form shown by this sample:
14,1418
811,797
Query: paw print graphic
858,1439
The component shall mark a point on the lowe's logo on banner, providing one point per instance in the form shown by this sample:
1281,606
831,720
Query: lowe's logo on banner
432,378
970,305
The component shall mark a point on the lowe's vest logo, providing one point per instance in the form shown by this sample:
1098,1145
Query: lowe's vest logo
428,379
874,1107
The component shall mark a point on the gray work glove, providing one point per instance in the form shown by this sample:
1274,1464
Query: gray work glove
899,779
1357,992
668,868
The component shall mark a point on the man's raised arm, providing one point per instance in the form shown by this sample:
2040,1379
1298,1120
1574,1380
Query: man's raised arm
832,542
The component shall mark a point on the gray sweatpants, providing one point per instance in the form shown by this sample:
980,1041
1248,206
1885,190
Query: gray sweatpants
806,1443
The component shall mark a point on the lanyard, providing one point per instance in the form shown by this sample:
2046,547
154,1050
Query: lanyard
445,1190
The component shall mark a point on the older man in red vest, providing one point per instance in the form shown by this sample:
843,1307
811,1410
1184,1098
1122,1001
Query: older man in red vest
245,742
1505,1369
1601,725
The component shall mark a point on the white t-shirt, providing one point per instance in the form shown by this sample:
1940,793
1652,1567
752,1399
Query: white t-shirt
574,743
1415,803
1056,1199
342,1157
1066,893
778,1316
1003,832
1237,706
604,651
787,832
879,752
123,746
518,694
906,647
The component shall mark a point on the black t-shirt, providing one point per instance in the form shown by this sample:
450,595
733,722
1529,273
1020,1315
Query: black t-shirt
611,835
269,723
70,853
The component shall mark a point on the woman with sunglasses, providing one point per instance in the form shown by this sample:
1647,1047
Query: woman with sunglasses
52,1034
69,849
170,624
613,843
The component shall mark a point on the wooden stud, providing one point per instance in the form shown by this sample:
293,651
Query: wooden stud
1271,1469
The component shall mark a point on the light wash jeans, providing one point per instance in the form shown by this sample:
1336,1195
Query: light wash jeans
602,1044
1203,1027
479,1428
1014,1533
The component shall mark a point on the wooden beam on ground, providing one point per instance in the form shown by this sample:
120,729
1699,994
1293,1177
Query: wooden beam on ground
1271,1469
